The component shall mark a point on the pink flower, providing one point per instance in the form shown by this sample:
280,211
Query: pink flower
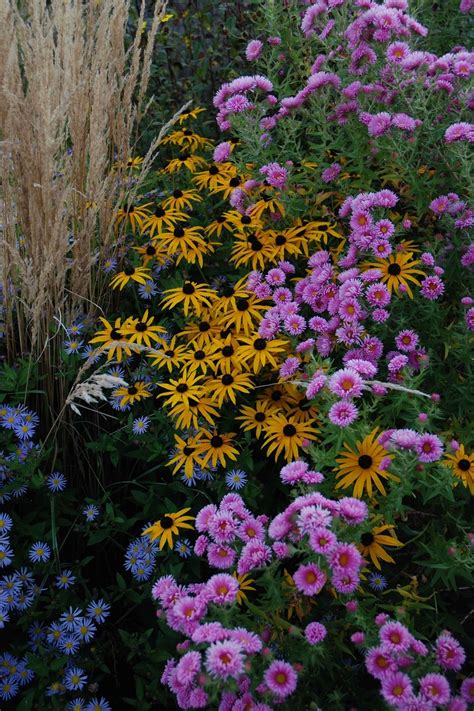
220,556
255,554
432,287
346,383
250,642
343,413
331,173
315,632
467,689
253,50
276,174
346,557
225,659
459,132
353,511
222,588
322,540
407,340
379,124
379,662
317,383
449,653
395,637
429,448
358,638
397,52
222,152
345,582
294,324
188,667
309,579
435,687
397,689
281,678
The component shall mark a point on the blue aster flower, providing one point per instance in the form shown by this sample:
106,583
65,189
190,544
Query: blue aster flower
140,425
69,618
109,265
97,704
24,430
377,582
65,580
55,632
72,345
39,552
19,491
183,547
148,290
117,372
74,329
4,617
91,512
69,644
25,576
56,482
78,704
24,674
6,554
24,600
85,629
10,419
236,479
55,688
91,354
36,633
75,679
142,570
98,610
8,689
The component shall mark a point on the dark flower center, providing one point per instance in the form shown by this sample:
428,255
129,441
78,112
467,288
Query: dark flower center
181,388
130,209
178,232
177,193
227,379
213,170
242,304
246,220
217,441
260,344
132,390
260,417
188,288
234,182
199,355
228,291
280,239
166,522
159,212
141,327
304,404
276,395
256,245
220,219
150,250
184,157
128,271
394,269
227,351
187,132
188,450
367,539
169,353
289,430
204,326
365,461
234,141
115,335
464,465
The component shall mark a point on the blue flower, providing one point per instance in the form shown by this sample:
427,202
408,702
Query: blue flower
91,512
116,372
69,644
148,290
8,689
56,482
25,600
4,617
74,329
183,548
24,430
65,580
85,629
72,345
377,582
36,633
97,704
99,610
69,618
10,420
55,688
109,265
39,552
24,674
75,679
140,425
25,576
77,704
55,632
91,354
6,554
236,479
142,570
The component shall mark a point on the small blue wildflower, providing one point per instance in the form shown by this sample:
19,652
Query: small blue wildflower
69,644
65,580
55,632
236,479
25,576
377,582
206,474
10,420
140,425
97,704
8,689
6,554
142,570
75,679
39,552
91,512
74,329
116,372
91,354
99,610
183,548
36,633
4,617
55,688
85,629
25,600
72,345
148,290
19,491
69,618
77,704
24,430
109,265
24,674
56,482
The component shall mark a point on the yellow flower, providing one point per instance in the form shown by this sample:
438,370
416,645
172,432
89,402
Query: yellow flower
139,274
182,239
218,226
247,311
398,269
203,332
245,586
186,456
227,185
197,358
188,385
112,339
135,215
226,386
216,447
142,330
229,295
190,295
361,466
372,542
254,250
210,177
168,526
283,435
170,356
192,413
180,199
190,114
256,418
186,160
462,465
132,393
257,352
187,138
152,251
162,218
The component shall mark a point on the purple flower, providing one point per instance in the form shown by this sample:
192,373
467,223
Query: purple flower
459,132
315,632
429,448
225,659
343,413
253,50
281,678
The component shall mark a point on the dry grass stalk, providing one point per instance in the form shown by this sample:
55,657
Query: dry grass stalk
70,97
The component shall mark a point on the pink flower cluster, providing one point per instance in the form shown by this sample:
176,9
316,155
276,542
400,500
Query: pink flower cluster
452,205
233,97
393,661
427,447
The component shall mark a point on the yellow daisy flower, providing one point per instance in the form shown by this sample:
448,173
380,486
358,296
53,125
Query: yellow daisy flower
134,215
462,465
142,330
162,218
179,391
139,274
130,394
361,466
398,268
283,435
257,352
215,447
180,199
245,586
112,339
191,296
168,526
256,418
186,456
227,386
190,161
372,542
170,356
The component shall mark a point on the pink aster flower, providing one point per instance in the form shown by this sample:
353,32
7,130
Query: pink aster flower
395,637
315,632
276,174
312,516
294,324
220,556
322,540
379,663
379,124
352,510
346,557
225,659
346,383
407,340
397,689
309,579
305,346
457,703
378,295
237,104
253,50
251,528
255,554
343,413
429,448
345,582
459,132
188,667
222,152
281,678
432,287
316,384
293,472
222,588
404,438
331,173
397,52
249,641
467,689
449,653
435,687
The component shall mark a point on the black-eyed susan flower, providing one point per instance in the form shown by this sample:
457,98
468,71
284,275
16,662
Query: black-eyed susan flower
462,465
203,332
139,274
152,252
210,177
193,412
398,268
168,526
284,243
199,359
112,339
185,456
215,447
190,296
162,218
245,315
132,215
228,385
180,199
225,354
283,435
180,390
187,115
170,355
372,544
267,203
361,466
191,161
185,137
257,352
253,251
302,410
218,226
142,330
129,394
182,238
135,163
226,185
243,222
245,586
281,395
228,295
256,418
